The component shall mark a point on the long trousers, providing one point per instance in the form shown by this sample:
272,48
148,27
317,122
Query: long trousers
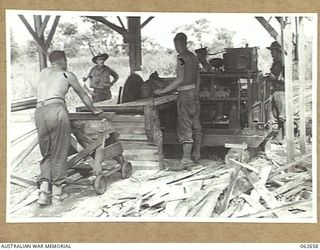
54,133
189,125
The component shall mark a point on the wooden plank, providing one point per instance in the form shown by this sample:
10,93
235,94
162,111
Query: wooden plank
135,137
112,150
252,202
23,137
117,109
43,25
128,118
288,89
33,34
30,199
22,180
289,165
292,184
89,116
95,144
207,209
142,155
182,176
268,27
244,165
302,69
124,125
146,21
128,145
52,31
200,177
276,209
294,191
265,194
144,165
234,177
130,130
25,101
209,139
16,161
116,28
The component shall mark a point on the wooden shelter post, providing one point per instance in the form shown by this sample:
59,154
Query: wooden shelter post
288,87
302,70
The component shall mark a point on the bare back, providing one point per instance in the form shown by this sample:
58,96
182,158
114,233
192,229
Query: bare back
53,82
187,67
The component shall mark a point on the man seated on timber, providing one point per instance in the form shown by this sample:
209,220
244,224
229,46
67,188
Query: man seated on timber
99,77
53,125
187,84
278,86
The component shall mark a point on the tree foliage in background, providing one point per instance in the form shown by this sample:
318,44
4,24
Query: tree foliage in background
68,38
200,35
15,52
102,39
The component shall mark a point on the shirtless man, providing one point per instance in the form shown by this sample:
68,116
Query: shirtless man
187,83
53,125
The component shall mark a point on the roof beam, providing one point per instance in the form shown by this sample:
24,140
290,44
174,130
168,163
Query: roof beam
52,31
111,25
33,34
146,22
43,25
121,23
268,27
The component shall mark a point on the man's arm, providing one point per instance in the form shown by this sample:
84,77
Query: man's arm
89,75
73,81
114,75
176,82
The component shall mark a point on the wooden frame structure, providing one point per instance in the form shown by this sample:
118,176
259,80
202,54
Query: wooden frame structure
132,35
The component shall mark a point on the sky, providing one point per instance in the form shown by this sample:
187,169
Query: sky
161,26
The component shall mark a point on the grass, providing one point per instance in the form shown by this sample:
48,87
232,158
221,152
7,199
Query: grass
25,73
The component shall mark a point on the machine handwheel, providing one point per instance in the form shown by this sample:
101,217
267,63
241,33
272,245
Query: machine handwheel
100,185
126,170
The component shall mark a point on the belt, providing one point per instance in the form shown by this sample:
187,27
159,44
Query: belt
50,101
186,87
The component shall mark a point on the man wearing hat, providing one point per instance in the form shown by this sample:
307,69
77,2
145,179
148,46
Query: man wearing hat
187,85
99,76
277,87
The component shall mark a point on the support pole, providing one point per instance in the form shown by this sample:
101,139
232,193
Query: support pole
38,29
288,88
134,31
302,70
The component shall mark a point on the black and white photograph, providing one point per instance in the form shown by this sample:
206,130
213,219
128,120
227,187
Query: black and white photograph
161,117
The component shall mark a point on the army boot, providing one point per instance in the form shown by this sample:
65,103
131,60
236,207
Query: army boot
57,194
196,149
186,161
44,194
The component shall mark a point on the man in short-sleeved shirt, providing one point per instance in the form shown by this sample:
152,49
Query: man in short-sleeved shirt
99,77
187,85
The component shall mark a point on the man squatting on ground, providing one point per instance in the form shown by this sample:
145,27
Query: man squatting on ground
99,77
53,125
187,84
278,87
